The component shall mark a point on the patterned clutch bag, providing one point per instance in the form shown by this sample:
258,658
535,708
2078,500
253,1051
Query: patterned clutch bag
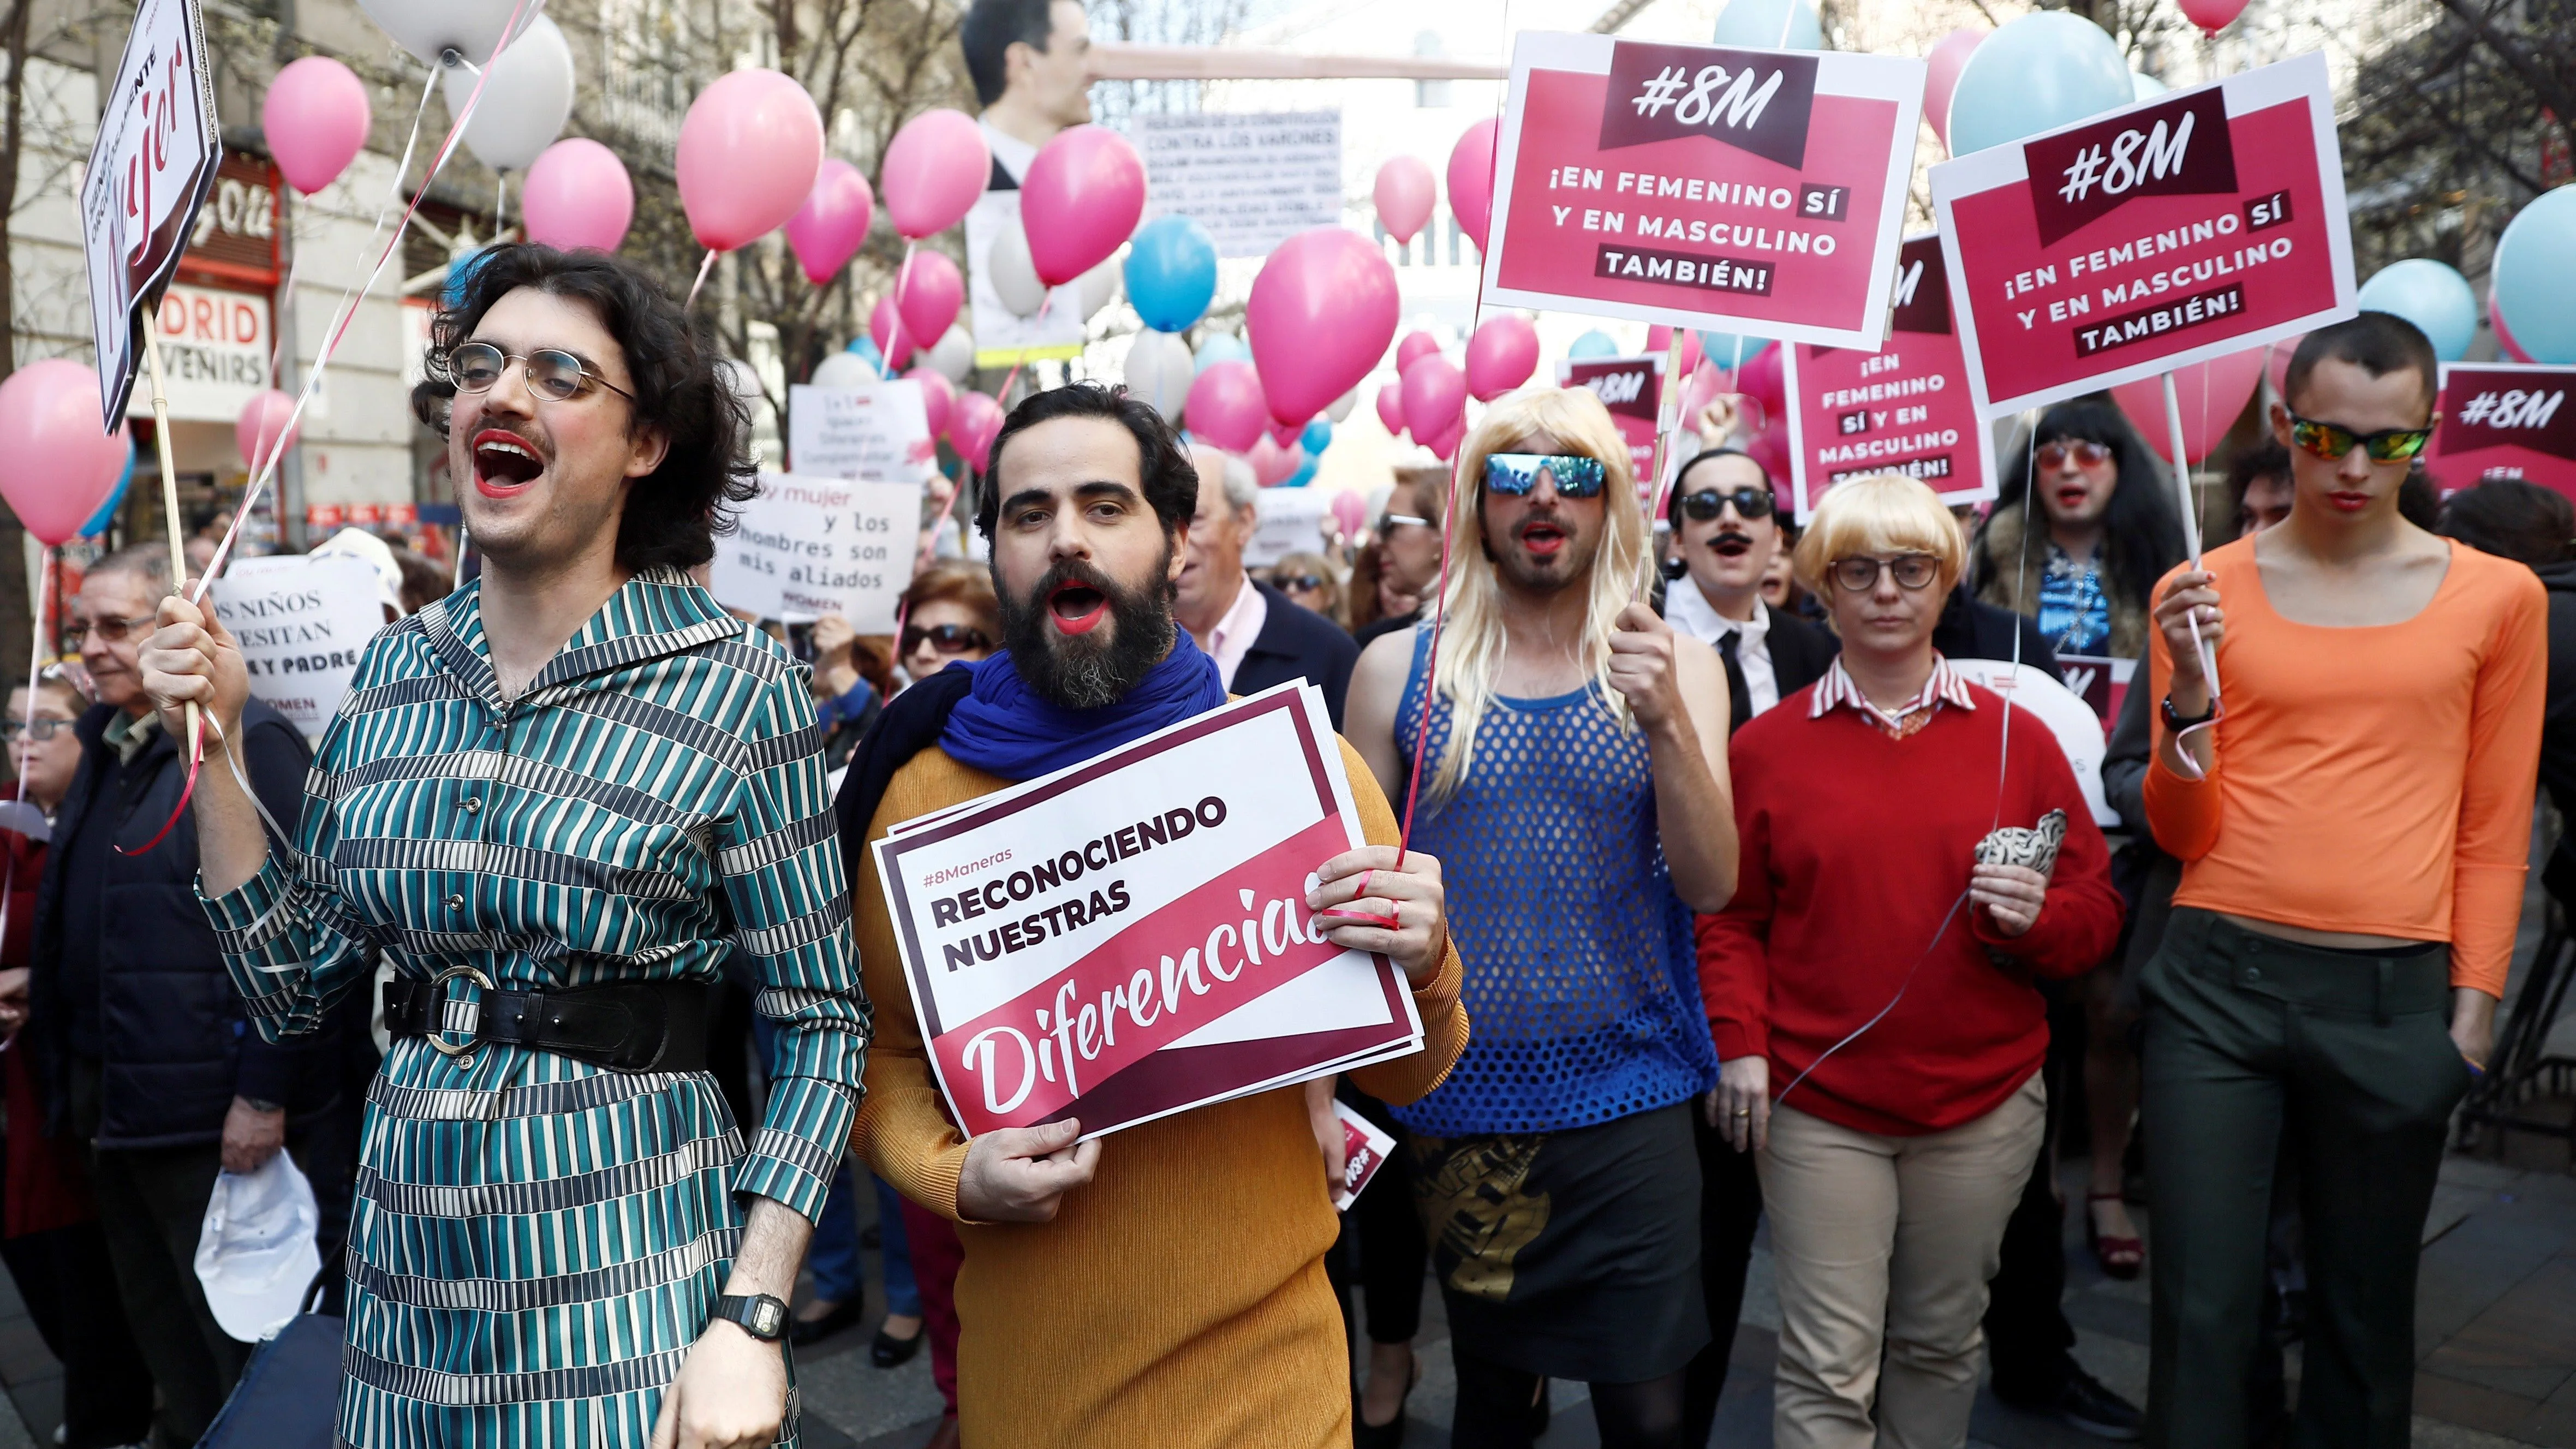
2035,847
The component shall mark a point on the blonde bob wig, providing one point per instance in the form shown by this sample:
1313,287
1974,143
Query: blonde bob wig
1471,640
1883,513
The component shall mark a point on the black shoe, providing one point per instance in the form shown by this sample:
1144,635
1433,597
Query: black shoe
2081,1401
1389,1435
804,1332
889,1352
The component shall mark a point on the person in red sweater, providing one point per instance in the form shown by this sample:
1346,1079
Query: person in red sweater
1870,986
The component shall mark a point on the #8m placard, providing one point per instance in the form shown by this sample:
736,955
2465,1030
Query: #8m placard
1904,408
1127,938
1751,191
2505,420
2200,223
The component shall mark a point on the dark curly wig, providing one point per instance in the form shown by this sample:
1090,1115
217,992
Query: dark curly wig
672,514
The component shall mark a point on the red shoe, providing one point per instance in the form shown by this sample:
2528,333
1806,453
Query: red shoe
2120,1257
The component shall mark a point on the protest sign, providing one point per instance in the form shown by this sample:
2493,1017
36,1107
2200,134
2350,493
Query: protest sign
2102,683
1252,179
2200,223
809,546
1004,338
1127,938
1291,521
1365,1148
1904,408
1751,191
2504,420
879,432
2077,728
1631,388
302,622
149,171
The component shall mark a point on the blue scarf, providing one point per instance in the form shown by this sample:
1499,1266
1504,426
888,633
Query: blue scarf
1005,728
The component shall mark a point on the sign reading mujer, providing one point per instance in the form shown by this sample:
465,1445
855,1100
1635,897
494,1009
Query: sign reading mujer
1128,938
2196,224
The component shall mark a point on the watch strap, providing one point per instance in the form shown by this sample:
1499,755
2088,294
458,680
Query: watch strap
2178,723
758,1314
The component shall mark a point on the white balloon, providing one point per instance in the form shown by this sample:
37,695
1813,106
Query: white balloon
954,357
1342,405
844,369
471,28
1014,274
2144,86
526,99
1159,370
1100,287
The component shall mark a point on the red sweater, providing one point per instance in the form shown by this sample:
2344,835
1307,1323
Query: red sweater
1854,846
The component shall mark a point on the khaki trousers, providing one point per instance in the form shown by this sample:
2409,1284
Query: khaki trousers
1883,1246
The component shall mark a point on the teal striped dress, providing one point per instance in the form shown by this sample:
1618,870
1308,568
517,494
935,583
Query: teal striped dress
537,1241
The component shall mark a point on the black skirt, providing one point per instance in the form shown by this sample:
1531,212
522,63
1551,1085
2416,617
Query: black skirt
1574,1255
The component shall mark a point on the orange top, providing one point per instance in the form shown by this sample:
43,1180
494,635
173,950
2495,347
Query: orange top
2374,780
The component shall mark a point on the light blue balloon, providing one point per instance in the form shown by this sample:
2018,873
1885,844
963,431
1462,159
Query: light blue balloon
866,346
1304,475
1317,437
2434,298
1171,273
2045,70
2531,278
2144,87
1222,347
1720,348
1769,25
1595,343
106,514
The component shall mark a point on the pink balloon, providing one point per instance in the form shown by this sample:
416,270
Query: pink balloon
973,423
1706,381
2276,364
61,465
1081,200
2212,16
1949,57
316,116
1226,406
1271,462
1660,337
1771,449
1416,345
577,194
1404,193
2504,334
1390,408
935,169
1760,380
1471,180
932,293
1501,356
262,419
938,397
827,229
1286,434
1322,311
893,339
1435,397
1350,511
1445,446
749,150
2213,395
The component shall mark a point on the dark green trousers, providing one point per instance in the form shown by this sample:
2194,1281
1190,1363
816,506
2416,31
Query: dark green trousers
2248,1036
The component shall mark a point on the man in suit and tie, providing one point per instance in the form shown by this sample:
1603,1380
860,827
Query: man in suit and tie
1257,635
1723,510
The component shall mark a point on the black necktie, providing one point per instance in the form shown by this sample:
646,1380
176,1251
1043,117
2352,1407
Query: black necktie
1739,696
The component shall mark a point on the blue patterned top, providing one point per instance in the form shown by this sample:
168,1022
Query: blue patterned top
2073,612
1582,972
537,1240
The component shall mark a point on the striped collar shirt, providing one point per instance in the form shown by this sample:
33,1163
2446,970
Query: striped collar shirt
1945,686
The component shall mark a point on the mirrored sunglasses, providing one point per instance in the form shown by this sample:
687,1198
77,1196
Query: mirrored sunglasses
2331,441
1515,474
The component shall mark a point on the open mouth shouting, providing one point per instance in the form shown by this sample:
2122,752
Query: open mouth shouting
1542,537
1730,545
1076,608
2073,497
505,463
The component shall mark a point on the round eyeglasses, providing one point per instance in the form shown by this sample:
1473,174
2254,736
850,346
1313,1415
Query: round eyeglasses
552,373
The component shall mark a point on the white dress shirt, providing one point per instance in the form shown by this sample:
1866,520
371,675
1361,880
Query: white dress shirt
1232,637
1687,609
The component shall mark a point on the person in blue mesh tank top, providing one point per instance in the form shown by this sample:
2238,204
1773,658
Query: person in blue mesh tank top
1575,789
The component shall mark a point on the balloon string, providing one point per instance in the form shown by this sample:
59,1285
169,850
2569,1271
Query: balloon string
894,322
704,267
2191,769
348,311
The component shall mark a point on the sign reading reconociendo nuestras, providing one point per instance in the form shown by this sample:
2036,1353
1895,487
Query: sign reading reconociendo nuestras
1754,191
2197,224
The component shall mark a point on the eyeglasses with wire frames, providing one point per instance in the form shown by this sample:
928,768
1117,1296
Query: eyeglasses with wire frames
2086,453
552,373
2332,441
39,730
1858,574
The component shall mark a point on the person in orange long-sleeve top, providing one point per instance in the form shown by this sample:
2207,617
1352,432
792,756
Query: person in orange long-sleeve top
1164,1285
2353,826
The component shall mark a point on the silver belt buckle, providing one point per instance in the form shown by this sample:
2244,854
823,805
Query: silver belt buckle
447,1012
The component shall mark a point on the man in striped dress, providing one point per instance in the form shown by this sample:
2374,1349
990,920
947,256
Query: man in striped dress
554,801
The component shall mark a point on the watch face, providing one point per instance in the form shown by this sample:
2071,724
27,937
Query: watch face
768,1317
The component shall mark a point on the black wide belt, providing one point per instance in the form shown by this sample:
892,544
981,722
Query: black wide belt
646,1026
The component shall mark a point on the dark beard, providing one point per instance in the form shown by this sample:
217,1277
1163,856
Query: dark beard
1081,671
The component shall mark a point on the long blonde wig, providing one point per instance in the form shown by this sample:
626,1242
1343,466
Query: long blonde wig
1472,642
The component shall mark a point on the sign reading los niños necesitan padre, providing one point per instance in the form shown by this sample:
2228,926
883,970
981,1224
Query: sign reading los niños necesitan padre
1128,938
2194,225
1754,191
